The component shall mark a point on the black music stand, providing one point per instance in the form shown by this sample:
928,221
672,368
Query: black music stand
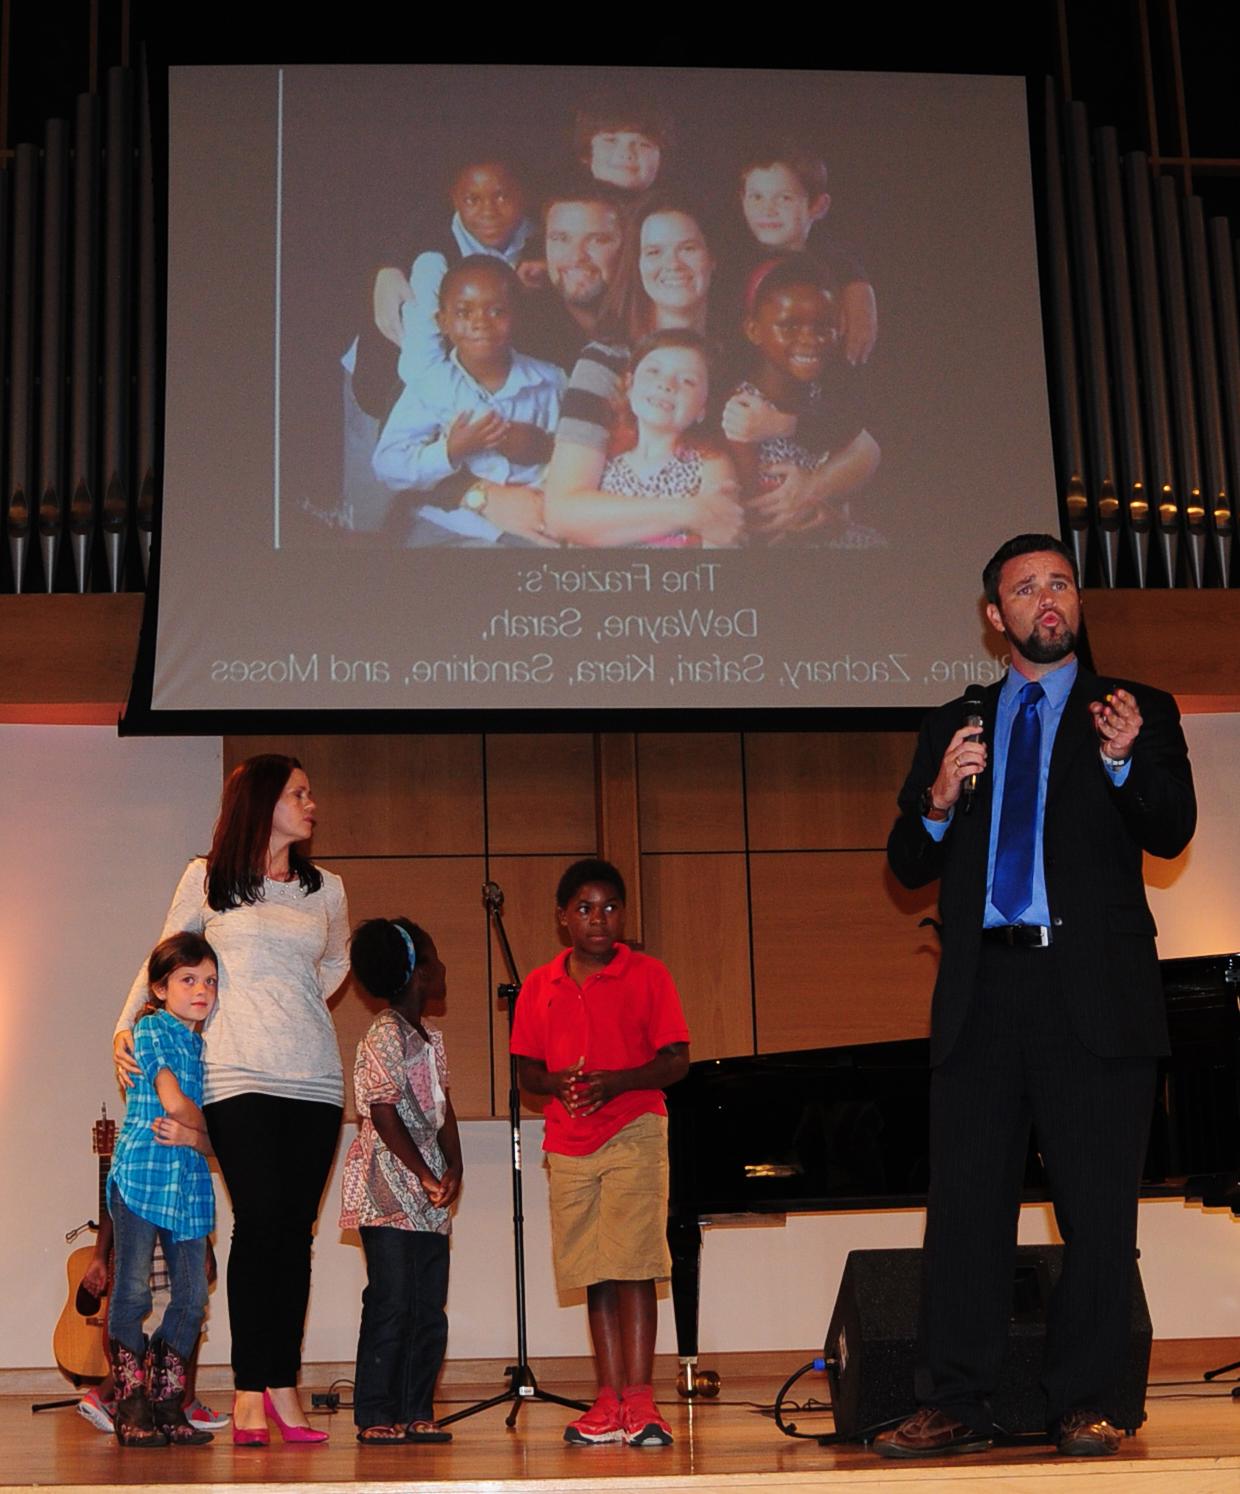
1222,1369
522,1386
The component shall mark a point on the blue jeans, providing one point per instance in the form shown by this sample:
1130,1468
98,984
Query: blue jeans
404,1329
133,1248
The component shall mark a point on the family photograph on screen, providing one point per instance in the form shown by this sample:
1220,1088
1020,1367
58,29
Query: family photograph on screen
719,366
610,323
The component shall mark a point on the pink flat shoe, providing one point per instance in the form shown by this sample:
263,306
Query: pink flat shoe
287,1432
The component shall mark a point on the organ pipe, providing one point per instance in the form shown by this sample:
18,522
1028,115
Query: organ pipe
1153,363
83,396
1087,275
117,305
1215,500
1123,340
1179,358
1222,263
22,316
146,352
52,347
1065,388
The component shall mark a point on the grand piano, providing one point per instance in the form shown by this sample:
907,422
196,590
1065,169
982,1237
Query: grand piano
845,1128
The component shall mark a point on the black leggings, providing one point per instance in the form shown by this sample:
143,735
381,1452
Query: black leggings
275,1155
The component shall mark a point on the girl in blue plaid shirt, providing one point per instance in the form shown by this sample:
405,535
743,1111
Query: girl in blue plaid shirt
159,1187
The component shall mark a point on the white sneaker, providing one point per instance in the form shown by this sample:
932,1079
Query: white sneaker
96,1411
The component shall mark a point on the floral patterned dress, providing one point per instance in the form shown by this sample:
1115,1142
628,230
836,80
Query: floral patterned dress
396,1066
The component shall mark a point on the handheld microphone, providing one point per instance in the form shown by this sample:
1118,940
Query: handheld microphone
492,896
974,698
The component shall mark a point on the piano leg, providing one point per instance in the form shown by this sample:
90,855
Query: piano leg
684,1238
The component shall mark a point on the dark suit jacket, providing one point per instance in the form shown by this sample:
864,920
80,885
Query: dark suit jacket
1093,835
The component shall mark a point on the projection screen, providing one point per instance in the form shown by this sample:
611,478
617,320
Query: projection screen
603,270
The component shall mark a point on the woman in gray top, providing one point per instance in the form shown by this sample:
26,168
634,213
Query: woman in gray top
274,1089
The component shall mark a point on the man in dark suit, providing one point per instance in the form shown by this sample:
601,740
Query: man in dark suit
1048,1007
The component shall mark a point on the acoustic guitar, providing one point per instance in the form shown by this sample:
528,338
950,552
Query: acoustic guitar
79,1342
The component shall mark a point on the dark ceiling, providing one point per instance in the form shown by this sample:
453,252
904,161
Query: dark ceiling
1164,72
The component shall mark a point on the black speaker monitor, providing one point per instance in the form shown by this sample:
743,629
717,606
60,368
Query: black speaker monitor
871,1343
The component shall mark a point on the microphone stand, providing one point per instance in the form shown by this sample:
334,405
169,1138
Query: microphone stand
522,1386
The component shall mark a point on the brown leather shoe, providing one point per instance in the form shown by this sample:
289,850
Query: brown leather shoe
929,1434
1085,1434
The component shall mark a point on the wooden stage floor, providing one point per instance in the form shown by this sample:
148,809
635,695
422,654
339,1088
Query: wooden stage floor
1190,1445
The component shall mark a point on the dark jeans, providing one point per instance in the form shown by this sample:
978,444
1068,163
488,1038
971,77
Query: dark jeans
404,1331
134,1245
275,1155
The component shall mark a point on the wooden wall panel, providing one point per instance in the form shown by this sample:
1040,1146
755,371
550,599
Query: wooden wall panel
67,659
540,794
619,832
690,795
1183,640
529,919
838,956
697,923
442,894
386,796
824,790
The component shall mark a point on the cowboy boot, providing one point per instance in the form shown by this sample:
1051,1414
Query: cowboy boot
166,1373
133,1423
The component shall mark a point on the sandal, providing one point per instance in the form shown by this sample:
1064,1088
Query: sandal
426,1431
381,1434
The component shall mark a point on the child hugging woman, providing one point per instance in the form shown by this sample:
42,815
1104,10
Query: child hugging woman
796,366
159,1189
401,1177
661,450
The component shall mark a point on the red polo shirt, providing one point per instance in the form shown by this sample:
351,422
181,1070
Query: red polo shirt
619,1019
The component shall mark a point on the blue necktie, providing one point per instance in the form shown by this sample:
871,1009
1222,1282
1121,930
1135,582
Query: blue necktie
1013,884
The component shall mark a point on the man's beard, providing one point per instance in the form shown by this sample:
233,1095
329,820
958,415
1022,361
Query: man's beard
584,300
1038,649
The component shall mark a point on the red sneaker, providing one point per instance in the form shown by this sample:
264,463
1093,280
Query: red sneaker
643,1426
601,1423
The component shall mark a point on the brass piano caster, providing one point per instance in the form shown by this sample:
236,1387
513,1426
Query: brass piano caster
693,1382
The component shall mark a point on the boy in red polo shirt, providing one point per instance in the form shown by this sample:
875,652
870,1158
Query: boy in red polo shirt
600,1030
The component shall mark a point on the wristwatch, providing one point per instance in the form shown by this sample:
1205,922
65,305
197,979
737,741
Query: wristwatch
474,498
929,809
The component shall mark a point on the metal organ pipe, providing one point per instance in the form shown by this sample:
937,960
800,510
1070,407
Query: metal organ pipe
1183,402
83,466
52,348
1092,332
1131,465
1065,387
1153,364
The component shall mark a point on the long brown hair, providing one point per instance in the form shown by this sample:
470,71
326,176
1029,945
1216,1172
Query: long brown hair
238,855
626,314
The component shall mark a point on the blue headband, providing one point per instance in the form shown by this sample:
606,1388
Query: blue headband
413,954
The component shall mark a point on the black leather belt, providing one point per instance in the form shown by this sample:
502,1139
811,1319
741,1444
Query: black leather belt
1019,935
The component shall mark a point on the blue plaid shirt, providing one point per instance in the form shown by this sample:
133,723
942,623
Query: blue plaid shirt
168,1185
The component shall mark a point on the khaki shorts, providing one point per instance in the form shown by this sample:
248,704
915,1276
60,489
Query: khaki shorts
609,1209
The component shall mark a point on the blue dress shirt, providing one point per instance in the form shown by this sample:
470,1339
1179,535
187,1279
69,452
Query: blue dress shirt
1056,686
